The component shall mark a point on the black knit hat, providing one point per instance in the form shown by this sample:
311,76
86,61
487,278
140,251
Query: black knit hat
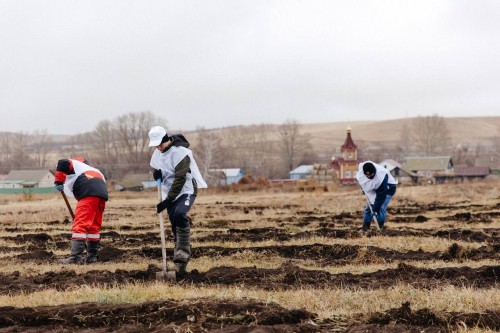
369,169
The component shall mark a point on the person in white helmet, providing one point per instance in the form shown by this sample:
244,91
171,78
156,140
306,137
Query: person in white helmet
379,186
174,164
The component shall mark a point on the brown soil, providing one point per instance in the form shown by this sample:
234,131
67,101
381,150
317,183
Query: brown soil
225,316
404,319
164,316
323,255
286,277
132,243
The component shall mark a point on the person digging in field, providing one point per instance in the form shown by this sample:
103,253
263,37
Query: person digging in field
174,164
86,184
379,186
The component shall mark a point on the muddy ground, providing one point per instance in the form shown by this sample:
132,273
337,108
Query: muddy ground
285,277
325,255
221,316
36,242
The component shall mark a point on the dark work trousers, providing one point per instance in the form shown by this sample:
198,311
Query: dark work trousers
177,212
382,215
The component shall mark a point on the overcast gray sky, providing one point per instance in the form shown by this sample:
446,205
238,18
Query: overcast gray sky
66,65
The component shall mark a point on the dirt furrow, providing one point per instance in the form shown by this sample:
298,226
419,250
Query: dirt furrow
287,276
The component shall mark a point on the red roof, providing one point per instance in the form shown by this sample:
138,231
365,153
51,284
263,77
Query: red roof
348,143
472,171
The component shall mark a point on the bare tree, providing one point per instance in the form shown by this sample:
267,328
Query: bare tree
404,141
105,148
292,143
20,155
208,151
118,146
6,149
495,152
430,134
250,148
132,135
41,143
258,149
73,144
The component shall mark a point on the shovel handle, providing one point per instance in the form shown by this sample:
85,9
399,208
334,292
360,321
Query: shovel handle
162,232
68,205
158,183
371,210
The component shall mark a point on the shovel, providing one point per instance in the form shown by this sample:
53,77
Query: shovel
164,275
68,205
371,209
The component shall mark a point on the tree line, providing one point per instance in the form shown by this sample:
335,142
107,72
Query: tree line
120,146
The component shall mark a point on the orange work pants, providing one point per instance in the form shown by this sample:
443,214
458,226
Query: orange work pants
88,219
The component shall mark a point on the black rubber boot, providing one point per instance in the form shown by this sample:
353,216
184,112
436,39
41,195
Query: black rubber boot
364,228
76,257
182,250
92,249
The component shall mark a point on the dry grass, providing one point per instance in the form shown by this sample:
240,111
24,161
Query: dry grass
137,209
324,302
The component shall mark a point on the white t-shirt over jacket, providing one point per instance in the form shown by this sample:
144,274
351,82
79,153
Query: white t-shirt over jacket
167,161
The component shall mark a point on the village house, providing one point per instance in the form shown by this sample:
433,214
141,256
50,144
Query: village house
135,182
301,172
346,166
224,176
399,172
28,179
431,169
471,173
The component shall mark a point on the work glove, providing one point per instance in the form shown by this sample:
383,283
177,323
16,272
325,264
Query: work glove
167,203
59,187
157,174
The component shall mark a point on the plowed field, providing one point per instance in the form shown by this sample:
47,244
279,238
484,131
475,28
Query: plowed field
261,262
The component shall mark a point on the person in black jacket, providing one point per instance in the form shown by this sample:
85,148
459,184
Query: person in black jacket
87,185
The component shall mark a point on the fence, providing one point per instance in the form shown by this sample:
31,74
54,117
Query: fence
28,190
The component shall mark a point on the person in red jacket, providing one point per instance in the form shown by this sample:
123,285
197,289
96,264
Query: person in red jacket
87,185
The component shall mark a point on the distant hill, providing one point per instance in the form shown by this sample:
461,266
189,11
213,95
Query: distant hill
468,130
376,139
462,130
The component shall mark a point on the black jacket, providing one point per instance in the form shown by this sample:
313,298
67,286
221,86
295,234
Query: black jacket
88,183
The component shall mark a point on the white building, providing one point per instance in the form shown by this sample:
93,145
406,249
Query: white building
301,172
27,179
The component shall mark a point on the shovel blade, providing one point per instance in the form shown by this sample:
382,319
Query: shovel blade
167,276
